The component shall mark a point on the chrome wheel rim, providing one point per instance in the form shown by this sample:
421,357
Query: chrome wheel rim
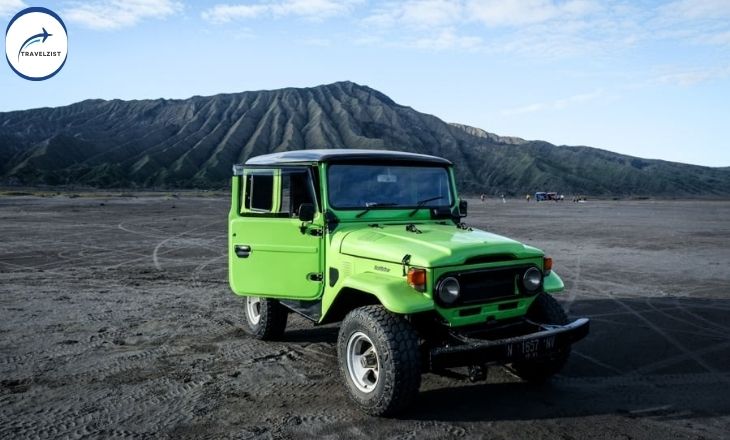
363,363
253,309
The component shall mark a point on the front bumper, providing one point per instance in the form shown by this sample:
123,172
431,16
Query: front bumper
540,344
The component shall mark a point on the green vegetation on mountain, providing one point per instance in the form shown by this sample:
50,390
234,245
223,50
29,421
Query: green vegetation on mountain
193,143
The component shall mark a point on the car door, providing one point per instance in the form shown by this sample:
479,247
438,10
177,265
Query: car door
272,253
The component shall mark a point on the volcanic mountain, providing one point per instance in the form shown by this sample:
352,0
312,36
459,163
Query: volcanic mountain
193,143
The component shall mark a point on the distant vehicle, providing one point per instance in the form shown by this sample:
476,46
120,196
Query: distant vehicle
544,196
375,239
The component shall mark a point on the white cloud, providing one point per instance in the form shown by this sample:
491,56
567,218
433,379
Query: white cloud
314,8
721,38
696,9
416,13
8,8
694,76
493,13
309,9
447,39
115,14
546,28
558,104
699,22
524,12
225,13
550,29
531,27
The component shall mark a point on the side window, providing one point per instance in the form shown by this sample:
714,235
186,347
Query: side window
259,189
276,192
296,188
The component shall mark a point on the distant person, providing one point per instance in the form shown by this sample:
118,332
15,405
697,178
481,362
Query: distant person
483,197
527,197
503,199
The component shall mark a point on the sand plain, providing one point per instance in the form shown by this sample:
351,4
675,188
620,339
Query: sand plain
116,321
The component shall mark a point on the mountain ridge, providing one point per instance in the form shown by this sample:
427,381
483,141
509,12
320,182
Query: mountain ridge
192,142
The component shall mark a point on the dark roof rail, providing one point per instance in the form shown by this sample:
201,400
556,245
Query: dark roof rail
343,155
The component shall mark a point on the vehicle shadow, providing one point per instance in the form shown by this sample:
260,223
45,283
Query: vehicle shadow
661,357
327,334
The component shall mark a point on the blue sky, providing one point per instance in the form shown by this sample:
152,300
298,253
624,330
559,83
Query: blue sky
645,78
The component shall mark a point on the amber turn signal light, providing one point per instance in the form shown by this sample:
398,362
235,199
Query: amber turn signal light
547,265
417,279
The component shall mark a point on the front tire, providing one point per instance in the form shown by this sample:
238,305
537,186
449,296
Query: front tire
379,360
545,310
265,318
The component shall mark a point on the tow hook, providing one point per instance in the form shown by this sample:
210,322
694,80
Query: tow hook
477,373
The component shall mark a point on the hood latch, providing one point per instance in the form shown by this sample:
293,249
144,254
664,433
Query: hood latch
413,228
406,262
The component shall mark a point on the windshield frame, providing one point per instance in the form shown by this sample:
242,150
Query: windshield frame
446,168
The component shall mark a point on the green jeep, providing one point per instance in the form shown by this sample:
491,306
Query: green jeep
375,239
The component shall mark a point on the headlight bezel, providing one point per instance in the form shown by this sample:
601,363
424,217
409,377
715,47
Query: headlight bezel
453,299
531,287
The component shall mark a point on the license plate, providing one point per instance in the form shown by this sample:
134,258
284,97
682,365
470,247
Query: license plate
531,348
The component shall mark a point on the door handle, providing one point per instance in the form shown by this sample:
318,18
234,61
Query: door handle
242,250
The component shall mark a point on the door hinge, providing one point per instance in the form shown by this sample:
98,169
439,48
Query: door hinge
317,232
315,277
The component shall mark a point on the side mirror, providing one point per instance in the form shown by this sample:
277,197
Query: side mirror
462,208
306,212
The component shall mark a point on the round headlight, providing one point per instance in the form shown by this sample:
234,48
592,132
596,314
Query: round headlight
532,279
449,290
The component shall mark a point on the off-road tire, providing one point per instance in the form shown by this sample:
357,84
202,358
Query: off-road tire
396,343
271,323
546,310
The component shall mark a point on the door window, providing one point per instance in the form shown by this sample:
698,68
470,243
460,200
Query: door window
276,192
259,192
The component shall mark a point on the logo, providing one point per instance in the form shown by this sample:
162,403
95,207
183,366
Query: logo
36,44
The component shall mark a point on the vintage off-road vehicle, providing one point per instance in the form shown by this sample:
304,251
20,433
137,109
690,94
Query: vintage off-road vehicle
375,239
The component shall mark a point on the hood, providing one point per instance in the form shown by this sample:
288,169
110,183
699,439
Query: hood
435,245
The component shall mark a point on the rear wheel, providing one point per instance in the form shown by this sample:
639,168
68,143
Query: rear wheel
379,360
545,310
266,318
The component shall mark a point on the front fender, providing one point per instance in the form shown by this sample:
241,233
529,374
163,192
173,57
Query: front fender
552,283
393,293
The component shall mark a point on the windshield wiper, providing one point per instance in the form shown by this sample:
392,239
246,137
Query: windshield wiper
420,204
369,206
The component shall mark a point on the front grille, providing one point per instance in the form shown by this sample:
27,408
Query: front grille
485,285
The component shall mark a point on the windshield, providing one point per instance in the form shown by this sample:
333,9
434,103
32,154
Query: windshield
353,186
